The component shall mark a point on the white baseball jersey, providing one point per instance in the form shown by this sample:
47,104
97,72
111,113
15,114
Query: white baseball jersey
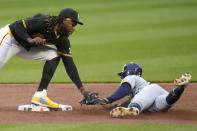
137,83
148,96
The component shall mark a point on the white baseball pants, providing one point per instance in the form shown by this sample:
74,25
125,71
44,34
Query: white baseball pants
152,98
9,47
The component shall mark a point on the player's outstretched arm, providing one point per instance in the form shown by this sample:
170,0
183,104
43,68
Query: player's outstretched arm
121,92
72,72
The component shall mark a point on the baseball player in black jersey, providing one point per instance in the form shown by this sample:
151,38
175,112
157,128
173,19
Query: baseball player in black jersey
31,38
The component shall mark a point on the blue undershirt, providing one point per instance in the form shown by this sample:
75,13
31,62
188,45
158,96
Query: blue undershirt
121,92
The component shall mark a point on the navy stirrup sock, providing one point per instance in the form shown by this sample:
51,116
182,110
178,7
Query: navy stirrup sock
174,95
134,105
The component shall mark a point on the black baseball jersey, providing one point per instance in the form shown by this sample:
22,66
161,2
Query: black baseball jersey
37,26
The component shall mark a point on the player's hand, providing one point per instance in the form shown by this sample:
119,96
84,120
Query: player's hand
101,101
89,98
36,41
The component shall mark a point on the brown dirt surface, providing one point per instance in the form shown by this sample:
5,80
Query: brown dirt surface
13,95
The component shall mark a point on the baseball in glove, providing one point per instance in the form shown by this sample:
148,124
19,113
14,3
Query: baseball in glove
89,98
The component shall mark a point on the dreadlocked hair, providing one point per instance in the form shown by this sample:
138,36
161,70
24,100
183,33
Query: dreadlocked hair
52,21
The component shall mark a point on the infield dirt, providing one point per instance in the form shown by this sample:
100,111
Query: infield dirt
12,95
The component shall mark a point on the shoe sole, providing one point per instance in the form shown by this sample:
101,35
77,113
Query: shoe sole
121,112
40,104
183,80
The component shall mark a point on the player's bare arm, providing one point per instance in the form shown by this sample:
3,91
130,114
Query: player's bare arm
36,41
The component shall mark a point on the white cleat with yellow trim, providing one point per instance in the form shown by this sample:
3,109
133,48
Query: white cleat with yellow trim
40,102
40,98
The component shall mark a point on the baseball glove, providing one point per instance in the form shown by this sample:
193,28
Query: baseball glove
89,98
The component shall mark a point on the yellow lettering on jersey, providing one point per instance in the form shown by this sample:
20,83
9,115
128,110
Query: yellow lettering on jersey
57,36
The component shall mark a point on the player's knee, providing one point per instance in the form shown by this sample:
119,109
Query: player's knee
160,104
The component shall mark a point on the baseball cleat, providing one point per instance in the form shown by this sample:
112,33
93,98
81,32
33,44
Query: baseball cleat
183,80
122,111
187,76
40,98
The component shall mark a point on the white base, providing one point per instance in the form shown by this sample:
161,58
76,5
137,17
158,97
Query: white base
32,107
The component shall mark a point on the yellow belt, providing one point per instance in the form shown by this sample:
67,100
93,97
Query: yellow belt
10,33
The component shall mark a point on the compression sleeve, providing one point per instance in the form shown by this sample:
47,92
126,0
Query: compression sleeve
64,50
72,70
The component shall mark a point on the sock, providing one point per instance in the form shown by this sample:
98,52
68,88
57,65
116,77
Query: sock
48,72
121,92
174,95
135,105
40,93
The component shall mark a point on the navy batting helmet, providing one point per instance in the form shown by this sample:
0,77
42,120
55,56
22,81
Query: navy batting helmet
130,69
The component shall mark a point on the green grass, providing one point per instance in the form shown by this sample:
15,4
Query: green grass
159,35
97,127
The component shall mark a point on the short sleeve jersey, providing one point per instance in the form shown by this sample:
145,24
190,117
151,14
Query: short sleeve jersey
136,83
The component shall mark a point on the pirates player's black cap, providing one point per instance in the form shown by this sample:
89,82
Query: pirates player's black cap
70,13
